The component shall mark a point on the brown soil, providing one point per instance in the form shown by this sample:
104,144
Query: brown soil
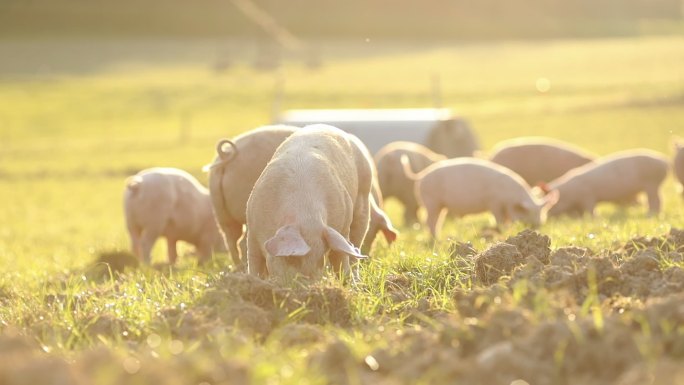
547,317
25,363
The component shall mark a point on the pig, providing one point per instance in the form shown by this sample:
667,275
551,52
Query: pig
453,138
539,160
232,174
391,178
168,202
614,178
469,185
312,199
678,163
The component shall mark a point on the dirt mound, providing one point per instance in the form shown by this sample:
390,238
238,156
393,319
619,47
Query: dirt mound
497,261
672,241
298,334
315,303
504,345
638,269
532,244
118,260
462,250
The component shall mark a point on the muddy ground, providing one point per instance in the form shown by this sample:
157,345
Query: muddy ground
524,314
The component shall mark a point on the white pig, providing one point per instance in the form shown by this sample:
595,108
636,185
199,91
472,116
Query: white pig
233,173
391,178
312,199
168,202
678,163
539,159
614,178
469,186
236,168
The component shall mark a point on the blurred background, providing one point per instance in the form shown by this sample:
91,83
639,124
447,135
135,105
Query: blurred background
92,91
432,19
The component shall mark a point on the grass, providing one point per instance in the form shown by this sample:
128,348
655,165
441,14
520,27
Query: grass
70,137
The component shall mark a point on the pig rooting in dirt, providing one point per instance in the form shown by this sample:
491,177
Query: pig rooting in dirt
469,186
614,178
312,200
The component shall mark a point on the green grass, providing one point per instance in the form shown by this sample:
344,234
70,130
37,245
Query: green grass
68,140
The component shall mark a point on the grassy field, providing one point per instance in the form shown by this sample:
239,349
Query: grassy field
78,116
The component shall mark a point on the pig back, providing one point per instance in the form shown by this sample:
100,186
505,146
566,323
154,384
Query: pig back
618,176
539,160
472,184
231,183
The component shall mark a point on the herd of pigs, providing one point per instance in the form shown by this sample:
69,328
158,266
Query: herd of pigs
307,195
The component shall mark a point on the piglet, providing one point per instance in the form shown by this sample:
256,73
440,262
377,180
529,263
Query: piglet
468,186
614,178
168,202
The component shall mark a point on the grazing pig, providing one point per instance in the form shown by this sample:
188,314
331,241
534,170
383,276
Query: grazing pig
391,178
468,186
614,178
453,138
232,175
312,199
539,159
678,163
171,203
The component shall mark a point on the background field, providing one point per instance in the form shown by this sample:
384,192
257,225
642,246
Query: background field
78,115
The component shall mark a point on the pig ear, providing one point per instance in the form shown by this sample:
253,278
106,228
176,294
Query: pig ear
287,242
337,242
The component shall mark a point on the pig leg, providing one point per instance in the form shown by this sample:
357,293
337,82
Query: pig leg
653,195
171,250
256,263
435,217
147,241
357,232
204,251
373,230
135,242
410,213
588,206
500,215
233,232
360,222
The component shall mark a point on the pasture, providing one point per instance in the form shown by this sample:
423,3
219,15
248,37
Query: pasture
78,116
